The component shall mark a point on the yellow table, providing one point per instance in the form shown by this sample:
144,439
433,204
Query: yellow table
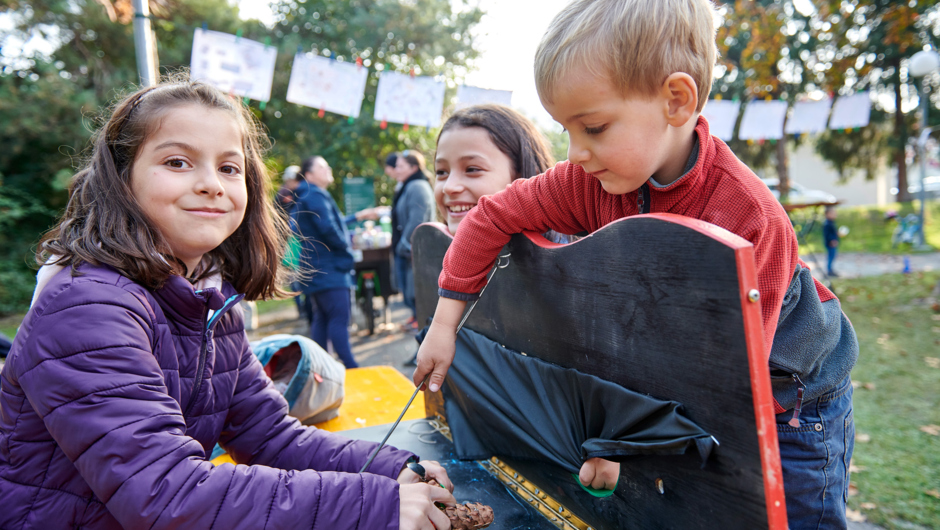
375,395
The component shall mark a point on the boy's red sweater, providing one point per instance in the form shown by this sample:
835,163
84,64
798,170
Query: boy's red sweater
719,189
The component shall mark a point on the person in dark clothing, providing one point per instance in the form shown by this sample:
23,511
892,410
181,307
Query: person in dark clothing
287,193
831,237
325,257
412,205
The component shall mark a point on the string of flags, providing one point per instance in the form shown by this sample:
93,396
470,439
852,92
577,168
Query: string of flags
771,119
245,68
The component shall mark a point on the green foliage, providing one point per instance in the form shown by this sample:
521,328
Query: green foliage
866,149
896,463
49,106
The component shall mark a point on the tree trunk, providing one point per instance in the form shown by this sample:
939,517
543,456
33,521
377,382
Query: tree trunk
900,136
783,170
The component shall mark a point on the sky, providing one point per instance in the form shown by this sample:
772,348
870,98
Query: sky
507,37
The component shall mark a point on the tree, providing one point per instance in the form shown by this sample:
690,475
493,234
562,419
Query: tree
864,46
761,45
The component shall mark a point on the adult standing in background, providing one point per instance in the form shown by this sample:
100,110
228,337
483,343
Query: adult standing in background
325,258
412,205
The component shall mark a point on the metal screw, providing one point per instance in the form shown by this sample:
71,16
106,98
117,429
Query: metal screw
660,487
753,295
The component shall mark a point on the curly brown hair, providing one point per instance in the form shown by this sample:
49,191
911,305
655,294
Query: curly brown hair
104,224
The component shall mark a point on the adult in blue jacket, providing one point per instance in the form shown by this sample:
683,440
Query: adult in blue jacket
325,257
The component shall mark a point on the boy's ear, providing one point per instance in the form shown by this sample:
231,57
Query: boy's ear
681,94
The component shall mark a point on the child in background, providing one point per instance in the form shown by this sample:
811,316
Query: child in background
831,237
133,360
628,80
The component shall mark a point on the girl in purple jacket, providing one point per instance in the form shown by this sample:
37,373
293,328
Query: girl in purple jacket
133,361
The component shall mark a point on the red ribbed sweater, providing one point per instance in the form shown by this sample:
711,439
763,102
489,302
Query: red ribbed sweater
718,189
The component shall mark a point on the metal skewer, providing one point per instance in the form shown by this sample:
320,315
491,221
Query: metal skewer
500,264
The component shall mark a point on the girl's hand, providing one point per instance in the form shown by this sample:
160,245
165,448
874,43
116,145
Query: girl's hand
435,356
416,509
432,469
437,351
600,474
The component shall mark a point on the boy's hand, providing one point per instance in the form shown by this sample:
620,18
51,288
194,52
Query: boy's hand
437,351
435,356
599,474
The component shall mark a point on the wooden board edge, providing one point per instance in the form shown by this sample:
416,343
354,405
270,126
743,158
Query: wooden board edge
765,418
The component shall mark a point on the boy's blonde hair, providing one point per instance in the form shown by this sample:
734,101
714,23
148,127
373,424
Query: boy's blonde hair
636,43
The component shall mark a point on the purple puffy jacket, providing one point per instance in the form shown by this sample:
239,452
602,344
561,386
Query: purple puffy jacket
104,424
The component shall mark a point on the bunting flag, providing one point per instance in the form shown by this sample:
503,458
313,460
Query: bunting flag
763,120
722,116
328,85
849,112
241,67
411,100
467,96
809,117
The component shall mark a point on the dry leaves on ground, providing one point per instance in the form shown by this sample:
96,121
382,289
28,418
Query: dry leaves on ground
862,438
869,386
854,516
932,430
867,506
933,493
933,362
856,469
853,489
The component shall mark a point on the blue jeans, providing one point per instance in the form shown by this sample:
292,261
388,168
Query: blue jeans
406,282
831,251
815,458
331,321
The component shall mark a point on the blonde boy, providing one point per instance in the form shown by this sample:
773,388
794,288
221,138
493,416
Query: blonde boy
628,80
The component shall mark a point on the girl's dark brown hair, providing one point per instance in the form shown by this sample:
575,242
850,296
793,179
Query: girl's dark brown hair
104,224
511,132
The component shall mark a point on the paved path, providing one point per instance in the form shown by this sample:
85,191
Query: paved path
858,264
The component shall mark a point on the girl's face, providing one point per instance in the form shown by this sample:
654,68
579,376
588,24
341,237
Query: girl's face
189,179
468,166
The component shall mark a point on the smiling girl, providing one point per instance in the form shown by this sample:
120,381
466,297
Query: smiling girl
133,360
480,151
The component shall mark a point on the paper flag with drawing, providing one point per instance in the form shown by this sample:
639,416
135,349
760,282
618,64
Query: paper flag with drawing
416,100
233,64
326,84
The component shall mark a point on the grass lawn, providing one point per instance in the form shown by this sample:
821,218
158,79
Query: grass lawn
273,306
897,399
868,230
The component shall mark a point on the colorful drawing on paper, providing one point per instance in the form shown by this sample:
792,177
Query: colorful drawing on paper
236,65
763,120
722,116
468,96
809,117
326,84
850,112
415,101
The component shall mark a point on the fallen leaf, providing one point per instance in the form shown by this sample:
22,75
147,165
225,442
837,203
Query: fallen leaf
856,469
869,386
908,325
932,362
933,493
854,516
853,490
932,430
862,438
867,506
856,384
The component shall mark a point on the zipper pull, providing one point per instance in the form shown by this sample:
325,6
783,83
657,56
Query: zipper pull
795,420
